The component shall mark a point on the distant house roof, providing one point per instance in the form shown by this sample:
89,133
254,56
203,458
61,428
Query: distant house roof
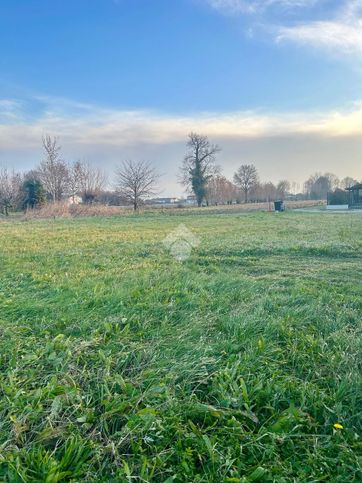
357,186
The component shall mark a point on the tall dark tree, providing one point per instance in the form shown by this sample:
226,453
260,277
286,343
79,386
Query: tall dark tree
33,193
199,165
246,177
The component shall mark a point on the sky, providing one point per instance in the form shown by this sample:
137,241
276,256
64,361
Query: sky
277,83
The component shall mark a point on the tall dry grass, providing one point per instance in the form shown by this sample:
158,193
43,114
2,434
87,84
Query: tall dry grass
65,210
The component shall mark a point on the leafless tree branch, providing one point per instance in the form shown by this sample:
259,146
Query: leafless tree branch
136,181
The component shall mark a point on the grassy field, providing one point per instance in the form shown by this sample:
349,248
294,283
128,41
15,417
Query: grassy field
120,363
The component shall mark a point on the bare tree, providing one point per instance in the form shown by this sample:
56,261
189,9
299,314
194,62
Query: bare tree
219,190
246,177
283,187
320,188
318,185
309,185
199,165
333,181
347,182
74,182
85,181
10,190
53,171
256,193
269,191
136,181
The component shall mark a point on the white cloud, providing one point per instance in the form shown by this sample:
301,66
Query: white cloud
336,37
10,109
336,30
341,35
352,8
90,125
254,6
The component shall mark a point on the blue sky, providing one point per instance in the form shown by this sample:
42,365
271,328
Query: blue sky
121,78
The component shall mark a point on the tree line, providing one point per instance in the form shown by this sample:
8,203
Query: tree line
54,180
202,176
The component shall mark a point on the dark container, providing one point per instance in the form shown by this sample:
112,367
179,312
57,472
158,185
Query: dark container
279,206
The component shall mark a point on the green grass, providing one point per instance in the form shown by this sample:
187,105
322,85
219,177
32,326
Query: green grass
119,363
